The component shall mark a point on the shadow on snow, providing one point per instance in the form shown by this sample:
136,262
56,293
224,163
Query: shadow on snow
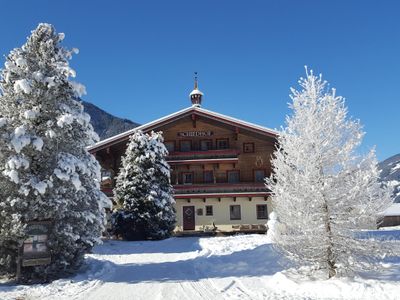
171,245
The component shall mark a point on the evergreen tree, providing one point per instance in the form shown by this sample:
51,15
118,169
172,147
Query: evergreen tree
144,191
323,193
46,171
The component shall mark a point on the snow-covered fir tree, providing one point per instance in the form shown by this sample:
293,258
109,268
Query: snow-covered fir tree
323,192
46,173
143,190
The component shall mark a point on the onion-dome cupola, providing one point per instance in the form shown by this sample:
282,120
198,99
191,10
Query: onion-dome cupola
196,96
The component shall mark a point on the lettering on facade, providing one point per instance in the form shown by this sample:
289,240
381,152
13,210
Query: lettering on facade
195,133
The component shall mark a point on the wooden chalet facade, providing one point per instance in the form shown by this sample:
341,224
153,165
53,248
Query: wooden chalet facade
218,167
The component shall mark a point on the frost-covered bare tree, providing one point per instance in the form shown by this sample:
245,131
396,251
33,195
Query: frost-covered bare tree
323,192
46,173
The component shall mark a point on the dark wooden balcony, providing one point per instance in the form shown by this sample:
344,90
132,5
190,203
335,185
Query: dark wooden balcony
227,155
242,188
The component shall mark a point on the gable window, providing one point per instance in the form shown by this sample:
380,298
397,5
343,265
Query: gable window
208,177
170,145
185,146
248,147
205,145
259,175
235,212
187,178
209,210
262,211
233,176
222,144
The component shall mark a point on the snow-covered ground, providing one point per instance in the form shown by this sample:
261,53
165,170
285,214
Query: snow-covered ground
238,267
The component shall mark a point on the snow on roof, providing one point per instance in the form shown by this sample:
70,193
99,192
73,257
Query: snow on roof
141,127
197,109
393,210
196,92
238,121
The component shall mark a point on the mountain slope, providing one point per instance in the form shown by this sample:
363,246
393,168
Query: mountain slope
391,173
105,124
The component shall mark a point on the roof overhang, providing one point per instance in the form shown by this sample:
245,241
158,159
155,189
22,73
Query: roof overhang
193,110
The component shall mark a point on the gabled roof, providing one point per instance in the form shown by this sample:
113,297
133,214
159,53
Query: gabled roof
182,113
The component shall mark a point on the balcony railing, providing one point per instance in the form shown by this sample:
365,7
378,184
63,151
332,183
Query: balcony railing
242,187
209,154
209,188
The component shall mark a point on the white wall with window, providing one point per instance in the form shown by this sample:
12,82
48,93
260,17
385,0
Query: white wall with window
221,212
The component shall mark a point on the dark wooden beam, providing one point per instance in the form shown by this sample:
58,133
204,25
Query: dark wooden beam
194,120
236,133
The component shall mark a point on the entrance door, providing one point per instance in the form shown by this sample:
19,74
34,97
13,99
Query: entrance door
188,218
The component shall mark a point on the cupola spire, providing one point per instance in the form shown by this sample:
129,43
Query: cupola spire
196,95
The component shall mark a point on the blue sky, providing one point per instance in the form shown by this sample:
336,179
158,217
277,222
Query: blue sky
137,58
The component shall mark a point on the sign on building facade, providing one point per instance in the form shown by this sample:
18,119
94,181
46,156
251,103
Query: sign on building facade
195,133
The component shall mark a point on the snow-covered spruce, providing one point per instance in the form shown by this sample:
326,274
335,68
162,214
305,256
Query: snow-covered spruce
323,193
46,172
143,190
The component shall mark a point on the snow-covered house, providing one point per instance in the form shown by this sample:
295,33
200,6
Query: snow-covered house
218,167
392,216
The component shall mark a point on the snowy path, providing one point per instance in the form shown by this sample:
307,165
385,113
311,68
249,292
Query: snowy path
240,267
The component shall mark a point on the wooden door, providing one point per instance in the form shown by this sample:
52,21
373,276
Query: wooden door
188,218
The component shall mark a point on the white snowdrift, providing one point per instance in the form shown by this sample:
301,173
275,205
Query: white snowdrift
245,267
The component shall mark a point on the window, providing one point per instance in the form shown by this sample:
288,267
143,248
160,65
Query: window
170,145
106,178
248,147
205,145
259,175
187,178
185,146
105,174
208,177
233,176
209,210
235,212
173,177
222,144
262,211
199,211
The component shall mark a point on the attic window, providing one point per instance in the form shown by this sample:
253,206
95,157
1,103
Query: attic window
170,145
248,147
222,144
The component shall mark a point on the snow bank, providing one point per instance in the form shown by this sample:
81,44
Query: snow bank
237,267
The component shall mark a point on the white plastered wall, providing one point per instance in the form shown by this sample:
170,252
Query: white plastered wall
221,212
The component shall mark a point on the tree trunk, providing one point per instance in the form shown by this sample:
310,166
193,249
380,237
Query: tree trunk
329,251
329,254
